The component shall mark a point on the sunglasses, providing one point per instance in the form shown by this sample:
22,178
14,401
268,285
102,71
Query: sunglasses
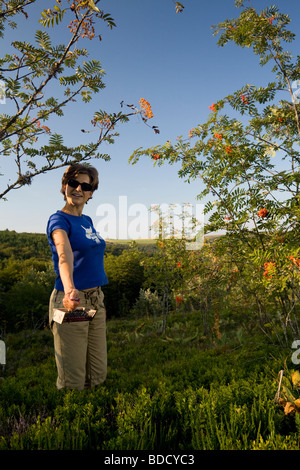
84,186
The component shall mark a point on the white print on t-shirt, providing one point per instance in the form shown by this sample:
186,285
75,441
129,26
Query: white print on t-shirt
92,235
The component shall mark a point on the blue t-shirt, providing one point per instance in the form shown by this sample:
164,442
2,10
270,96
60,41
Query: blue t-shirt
88,250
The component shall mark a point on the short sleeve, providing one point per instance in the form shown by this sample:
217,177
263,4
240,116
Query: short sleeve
56,221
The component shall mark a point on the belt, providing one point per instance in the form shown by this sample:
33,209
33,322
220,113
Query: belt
89,292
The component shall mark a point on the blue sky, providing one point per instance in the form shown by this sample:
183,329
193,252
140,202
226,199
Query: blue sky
173,61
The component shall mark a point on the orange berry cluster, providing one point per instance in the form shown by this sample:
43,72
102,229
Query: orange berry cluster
104,123
296,261
87,29
262,213
146,108
269,269
218,136
191,133
38,125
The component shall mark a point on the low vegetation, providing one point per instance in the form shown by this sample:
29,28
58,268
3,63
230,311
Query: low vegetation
176,391
188,377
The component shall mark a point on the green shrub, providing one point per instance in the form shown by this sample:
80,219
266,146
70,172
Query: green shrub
161,393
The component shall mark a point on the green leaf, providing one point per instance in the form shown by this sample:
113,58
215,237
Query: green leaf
43,39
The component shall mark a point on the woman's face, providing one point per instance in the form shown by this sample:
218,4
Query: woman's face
76,196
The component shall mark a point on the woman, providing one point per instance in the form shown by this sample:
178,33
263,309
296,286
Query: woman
77,253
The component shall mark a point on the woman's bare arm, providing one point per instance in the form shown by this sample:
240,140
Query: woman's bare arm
66,265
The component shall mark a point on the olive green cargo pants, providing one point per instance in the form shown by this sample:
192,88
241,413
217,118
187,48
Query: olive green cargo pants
80,347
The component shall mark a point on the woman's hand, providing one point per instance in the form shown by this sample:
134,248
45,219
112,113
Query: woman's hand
71,300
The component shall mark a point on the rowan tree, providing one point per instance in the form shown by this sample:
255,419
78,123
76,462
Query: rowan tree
27,74
248,165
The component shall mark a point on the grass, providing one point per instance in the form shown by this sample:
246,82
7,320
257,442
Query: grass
180,391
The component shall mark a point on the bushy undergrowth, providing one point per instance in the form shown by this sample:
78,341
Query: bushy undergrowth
178,391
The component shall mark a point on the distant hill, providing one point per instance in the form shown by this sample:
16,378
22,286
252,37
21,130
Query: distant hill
23,245
35,245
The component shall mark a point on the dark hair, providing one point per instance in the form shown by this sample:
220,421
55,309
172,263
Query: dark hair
78,169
